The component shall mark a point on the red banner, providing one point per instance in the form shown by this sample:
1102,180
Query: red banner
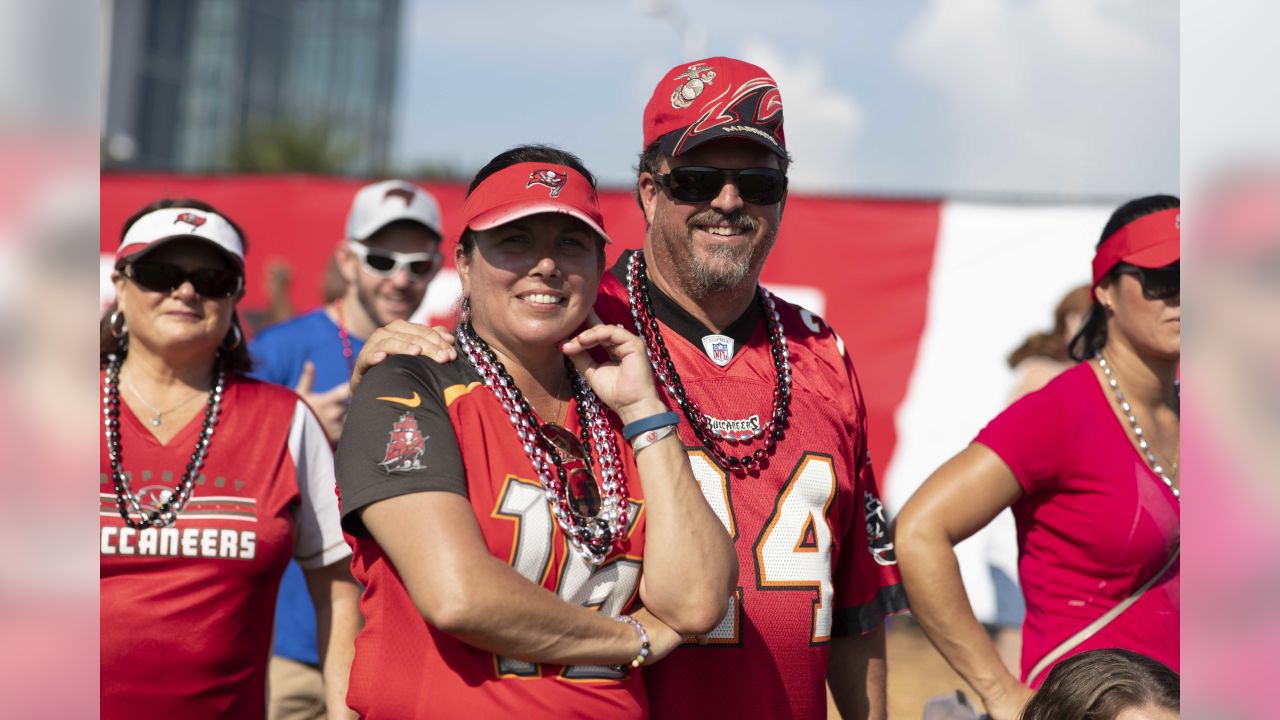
862,264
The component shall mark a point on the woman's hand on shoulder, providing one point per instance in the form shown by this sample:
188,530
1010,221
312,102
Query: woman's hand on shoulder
401,337
625,381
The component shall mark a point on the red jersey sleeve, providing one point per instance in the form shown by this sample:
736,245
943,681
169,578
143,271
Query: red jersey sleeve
868,586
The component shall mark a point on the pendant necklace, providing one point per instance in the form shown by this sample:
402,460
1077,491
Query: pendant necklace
156,415
172,502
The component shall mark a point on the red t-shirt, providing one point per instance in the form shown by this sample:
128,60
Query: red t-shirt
814,554
187,610
1094,523
402,437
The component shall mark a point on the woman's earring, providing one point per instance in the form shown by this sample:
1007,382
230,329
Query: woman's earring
236,338
116,324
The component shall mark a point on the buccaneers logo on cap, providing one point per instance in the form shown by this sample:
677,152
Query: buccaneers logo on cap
402,193
549,178
697,78
191,219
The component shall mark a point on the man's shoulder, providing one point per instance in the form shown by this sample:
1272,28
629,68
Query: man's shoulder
293,329
808,329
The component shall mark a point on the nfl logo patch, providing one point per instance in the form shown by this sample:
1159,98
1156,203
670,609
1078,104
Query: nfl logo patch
719,348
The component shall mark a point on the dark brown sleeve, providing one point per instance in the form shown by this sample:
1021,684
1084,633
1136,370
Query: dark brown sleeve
397,439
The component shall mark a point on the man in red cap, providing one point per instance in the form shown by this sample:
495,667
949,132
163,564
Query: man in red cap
773,417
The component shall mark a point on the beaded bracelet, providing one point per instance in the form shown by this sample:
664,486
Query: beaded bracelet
653,422
650,437
644,644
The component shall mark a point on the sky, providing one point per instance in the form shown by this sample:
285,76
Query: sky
1043,99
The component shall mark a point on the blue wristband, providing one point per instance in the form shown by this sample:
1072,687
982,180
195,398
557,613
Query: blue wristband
653,422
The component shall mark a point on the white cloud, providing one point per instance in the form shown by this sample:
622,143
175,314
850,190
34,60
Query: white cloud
823,123
1084,89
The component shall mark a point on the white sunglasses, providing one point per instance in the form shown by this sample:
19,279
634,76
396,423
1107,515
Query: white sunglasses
386,263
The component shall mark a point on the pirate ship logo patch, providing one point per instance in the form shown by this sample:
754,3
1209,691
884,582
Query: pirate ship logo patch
406,446
878,540
696,78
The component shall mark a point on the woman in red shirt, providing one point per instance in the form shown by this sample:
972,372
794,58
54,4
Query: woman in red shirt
209,483
1089,465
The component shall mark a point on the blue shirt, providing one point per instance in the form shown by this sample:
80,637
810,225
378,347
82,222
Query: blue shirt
278,353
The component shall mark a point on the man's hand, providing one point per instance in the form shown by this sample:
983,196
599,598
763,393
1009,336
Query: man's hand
401,337
330,407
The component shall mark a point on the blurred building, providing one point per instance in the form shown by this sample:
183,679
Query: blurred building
186,81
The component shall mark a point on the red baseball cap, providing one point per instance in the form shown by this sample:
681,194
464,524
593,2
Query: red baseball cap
1151,241
714,98
525,189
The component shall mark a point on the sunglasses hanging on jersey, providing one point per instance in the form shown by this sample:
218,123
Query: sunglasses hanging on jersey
698,184
212,283
584,492
386,263
1157,283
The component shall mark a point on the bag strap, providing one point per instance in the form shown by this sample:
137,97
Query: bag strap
1092,628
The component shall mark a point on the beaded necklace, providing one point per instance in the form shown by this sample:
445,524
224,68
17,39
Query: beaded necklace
344,337
1145,446
664,369
166,513
591,536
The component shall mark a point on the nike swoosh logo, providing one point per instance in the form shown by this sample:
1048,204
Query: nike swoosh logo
412,402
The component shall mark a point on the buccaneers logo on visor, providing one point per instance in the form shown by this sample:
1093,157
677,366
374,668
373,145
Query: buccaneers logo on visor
191,219
549,178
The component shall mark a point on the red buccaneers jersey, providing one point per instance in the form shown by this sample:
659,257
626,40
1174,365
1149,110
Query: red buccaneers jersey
403,436
814,554
187,610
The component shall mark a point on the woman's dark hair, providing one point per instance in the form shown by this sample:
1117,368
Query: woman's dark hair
1052,344
526,154
1100,684
1093,335
235,360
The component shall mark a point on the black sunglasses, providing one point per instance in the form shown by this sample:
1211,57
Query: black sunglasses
1157,283
697,184
213,283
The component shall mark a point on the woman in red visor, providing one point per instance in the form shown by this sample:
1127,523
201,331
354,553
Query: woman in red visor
1089,465
525,520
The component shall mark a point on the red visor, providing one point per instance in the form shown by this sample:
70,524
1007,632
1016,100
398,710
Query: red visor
1151,241
528,189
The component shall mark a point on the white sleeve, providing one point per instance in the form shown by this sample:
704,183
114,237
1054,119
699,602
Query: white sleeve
319,532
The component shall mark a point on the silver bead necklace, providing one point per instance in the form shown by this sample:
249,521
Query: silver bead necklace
592,536
1143,445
